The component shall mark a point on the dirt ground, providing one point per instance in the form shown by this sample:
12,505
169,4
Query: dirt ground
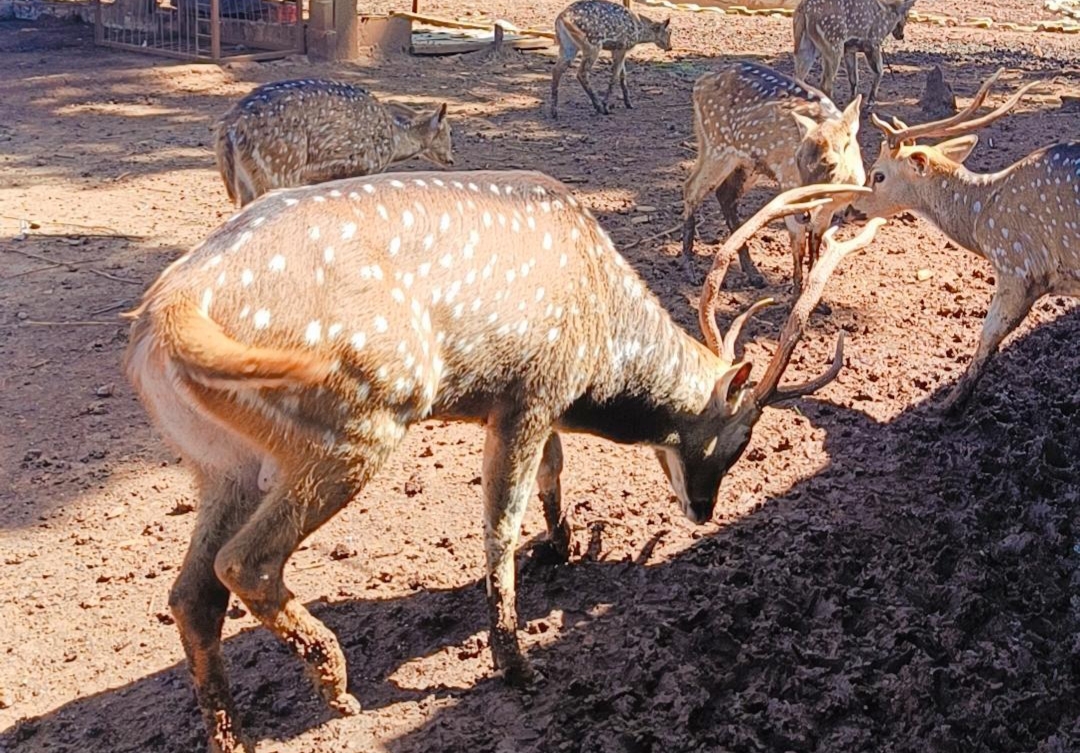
875,579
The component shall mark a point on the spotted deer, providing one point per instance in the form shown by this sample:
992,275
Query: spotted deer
295,133
589,26
286,356
752,122
837,29
1024,220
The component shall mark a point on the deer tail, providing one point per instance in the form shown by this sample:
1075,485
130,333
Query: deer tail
216,359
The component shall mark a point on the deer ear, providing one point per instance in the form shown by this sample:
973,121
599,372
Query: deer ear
958,149
852,113
805,124
438,117
729,386
920,162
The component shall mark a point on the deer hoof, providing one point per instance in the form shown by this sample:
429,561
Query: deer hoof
555,550
519,674
345,704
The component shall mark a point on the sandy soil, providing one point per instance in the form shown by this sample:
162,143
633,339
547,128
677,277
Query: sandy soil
875,580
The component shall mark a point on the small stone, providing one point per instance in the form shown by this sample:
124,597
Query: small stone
105,390
342,552
414,485
924,274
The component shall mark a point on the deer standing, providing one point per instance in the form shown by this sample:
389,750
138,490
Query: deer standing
1024,220
838,29
751,122
295,133
589,26
286,356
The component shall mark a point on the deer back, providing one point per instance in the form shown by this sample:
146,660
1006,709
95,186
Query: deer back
611,26
777,124
836,22
436,292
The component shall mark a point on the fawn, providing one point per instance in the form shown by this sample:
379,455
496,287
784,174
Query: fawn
838,29
295,133
589,26
751,122
1024,220
286,356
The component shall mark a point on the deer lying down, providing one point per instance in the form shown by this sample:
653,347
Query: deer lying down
1024,220
286,356
297,133
751,122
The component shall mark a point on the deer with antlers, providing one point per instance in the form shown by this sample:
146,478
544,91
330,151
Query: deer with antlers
305,131
838,29
750,122
287,355
1024,220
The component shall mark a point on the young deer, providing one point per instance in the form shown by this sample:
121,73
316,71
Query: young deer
838,29
751,122
295,133
1024,220
589,26
286,356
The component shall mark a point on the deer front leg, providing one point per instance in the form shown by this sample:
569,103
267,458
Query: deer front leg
799,237
873,57
550,490
1011,302
251,564
618,72
588,60
198,600
512,452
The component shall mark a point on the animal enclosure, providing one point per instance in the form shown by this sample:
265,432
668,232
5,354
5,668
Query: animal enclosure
875,578
202,29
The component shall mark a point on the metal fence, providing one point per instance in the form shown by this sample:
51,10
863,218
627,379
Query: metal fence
202,29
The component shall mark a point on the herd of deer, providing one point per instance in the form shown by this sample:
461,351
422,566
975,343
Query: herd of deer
286,356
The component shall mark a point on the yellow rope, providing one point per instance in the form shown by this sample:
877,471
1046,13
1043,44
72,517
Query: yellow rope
1067,26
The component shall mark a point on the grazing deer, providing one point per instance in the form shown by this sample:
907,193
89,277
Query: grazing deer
1024,220
751,122
589,26
296,133
838,29
286,356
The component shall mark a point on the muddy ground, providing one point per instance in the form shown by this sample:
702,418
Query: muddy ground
876,579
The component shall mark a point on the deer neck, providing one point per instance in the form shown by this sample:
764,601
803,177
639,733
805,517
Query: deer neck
649,371
405,144
954,202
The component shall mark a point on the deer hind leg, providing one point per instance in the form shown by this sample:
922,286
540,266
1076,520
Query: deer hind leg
198,600
618,74
851,68
568,50
512,452
873,57
588,60
1011,302
830,61
800,238
550,492
708,172
805,56
727,195
304,498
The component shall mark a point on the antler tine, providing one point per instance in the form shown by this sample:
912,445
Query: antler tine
960,123
727,352
767,391
801,199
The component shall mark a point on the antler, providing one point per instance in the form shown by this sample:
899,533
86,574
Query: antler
767,390
960,123
802,199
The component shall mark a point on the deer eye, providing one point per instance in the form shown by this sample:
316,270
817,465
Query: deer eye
878,176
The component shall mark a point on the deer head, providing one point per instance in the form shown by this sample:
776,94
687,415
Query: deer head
705,450
902,165
656,32
429,131
829,153
900,9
